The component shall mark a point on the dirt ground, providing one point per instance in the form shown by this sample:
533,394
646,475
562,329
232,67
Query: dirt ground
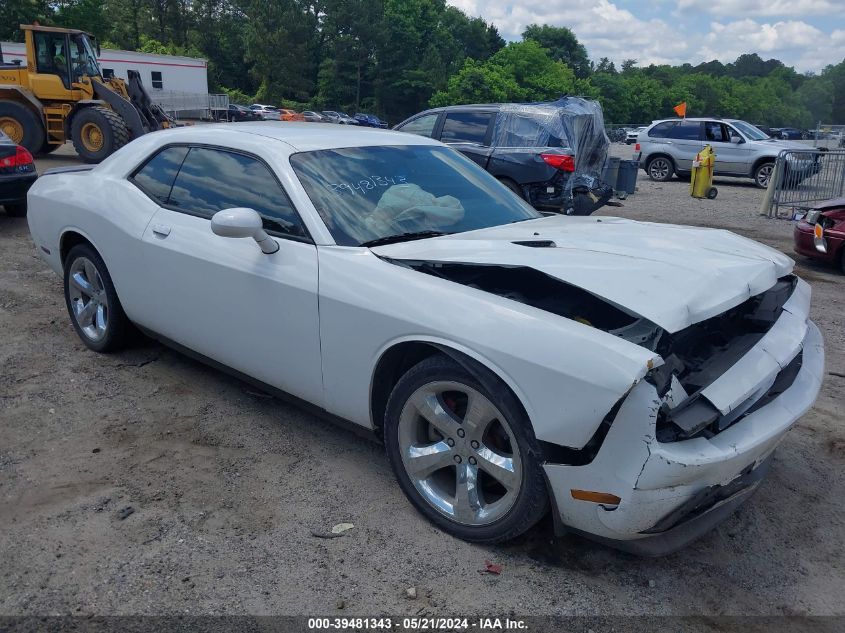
146,483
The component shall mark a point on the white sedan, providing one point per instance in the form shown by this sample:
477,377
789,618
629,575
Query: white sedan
634,378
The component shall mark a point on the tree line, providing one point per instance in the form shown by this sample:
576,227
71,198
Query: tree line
397,57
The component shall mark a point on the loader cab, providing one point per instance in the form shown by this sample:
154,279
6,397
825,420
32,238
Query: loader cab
63,54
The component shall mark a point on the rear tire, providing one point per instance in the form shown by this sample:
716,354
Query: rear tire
98,132
486,484
16,210
22,125
660,169
92,303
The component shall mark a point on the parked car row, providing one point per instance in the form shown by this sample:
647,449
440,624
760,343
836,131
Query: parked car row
263,112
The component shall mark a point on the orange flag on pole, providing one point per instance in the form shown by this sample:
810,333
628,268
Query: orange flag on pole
681,109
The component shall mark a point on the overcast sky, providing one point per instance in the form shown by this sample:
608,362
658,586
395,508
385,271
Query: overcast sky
807,34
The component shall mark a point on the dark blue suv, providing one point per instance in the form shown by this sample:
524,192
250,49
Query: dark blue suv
551,154
369,120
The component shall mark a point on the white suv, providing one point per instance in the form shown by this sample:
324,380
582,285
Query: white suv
669,146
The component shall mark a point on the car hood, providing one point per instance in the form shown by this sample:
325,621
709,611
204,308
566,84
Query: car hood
784,144
672,275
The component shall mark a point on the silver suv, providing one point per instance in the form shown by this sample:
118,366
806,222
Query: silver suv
669,146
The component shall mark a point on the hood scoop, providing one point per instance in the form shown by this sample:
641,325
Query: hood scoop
536,243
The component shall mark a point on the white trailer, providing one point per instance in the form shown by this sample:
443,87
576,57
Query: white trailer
178,84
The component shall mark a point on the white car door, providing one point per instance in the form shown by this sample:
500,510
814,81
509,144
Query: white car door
222,297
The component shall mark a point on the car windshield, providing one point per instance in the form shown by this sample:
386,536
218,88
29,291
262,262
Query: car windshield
750,131
370,193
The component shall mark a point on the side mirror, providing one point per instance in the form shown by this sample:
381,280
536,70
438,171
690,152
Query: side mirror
243,222
736,140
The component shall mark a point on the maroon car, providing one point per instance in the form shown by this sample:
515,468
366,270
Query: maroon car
821,233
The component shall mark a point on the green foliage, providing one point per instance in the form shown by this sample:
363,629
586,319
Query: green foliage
562,46
522,71
395,57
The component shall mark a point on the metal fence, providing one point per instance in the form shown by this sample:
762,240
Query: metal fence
828,135
801,178
190,104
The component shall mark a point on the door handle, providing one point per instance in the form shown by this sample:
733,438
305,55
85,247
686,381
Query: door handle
161,230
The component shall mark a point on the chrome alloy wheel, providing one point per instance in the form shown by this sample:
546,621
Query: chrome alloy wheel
88,299
460,453
659,169
764,174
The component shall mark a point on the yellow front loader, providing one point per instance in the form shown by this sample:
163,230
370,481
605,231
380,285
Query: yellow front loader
61,95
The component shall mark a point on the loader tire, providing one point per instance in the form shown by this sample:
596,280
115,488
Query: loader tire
22,125
98,132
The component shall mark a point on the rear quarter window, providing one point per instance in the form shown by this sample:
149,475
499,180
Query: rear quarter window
155,178
662,130
686,131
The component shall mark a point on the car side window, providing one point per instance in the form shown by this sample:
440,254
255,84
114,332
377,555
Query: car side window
423,126
686,131
466,127
716,132
156,176
211,180
662,130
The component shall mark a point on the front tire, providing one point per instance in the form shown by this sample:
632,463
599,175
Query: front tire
92,302
464,455
660,169
98,132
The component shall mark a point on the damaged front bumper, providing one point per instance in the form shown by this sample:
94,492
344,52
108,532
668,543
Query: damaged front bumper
673,492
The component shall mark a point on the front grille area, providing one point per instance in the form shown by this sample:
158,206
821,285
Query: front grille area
696,417
698,355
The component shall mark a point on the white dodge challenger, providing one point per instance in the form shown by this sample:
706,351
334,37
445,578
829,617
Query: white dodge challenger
632,377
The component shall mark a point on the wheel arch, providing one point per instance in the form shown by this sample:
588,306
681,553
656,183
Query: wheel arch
654,155
399,357
760,161
19,95
71,238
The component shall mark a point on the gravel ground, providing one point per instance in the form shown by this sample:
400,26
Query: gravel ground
146,483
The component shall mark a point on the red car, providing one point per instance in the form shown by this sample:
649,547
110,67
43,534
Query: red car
821,233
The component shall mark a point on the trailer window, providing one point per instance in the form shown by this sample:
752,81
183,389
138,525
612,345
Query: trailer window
157,83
